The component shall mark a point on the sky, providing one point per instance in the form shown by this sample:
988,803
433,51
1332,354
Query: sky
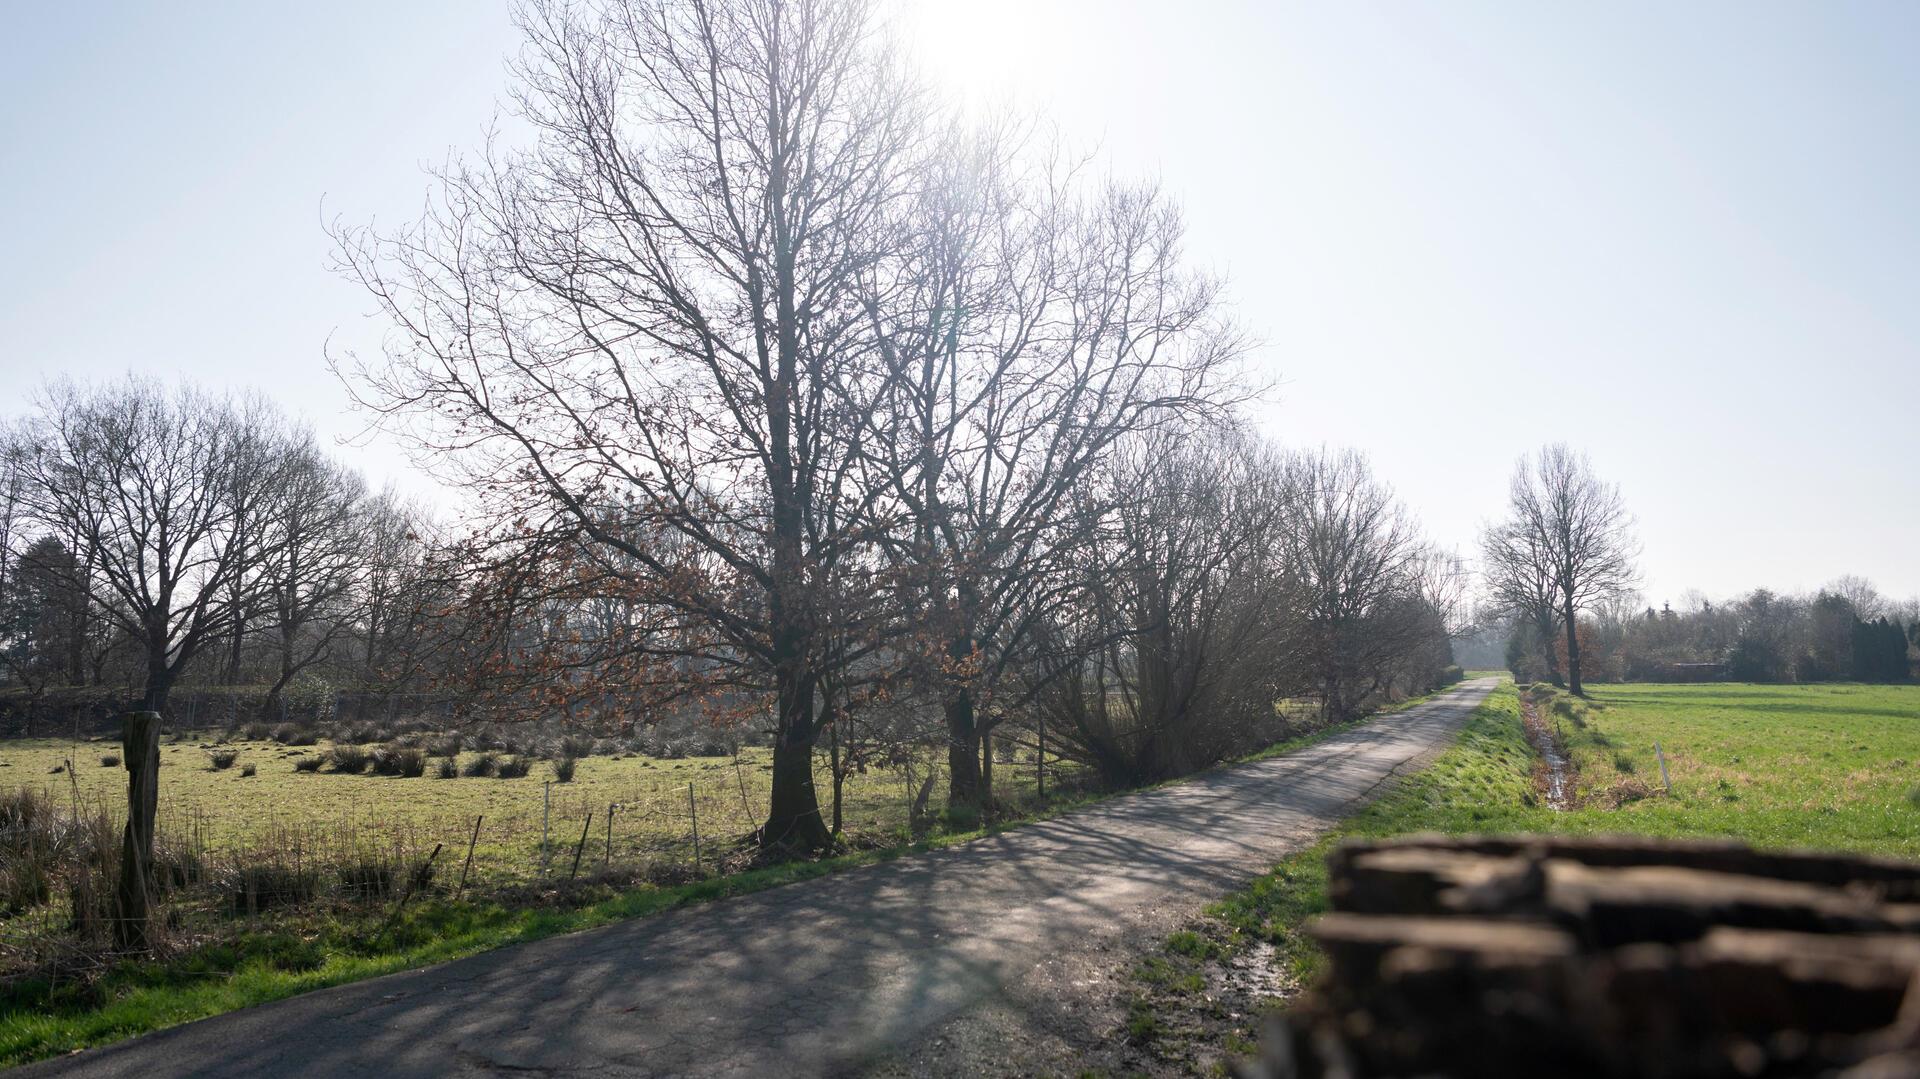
1683,238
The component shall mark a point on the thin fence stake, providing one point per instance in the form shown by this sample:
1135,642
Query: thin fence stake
412,883
470,844
739,777
546,814
580,846
694,812
607,862
1662,757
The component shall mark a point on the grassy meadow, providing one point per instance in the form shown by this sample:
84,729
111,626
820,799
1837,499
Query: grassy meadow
225,811
1819,766
338,830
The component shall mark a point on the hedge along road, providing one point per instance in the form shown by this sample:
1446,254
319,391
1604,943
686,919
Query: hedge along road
878,964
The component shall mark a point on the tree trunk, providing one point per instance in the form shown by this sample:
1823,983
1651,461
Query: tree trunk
793,818
159,685
1573,653
963,755
1544,624
839,774
140,743
986,769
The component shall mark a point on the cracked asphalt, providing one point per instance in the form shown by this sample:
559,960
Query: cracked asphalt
984,958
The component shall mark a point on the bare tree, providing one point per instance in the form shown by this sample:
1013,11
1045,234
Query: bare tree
1188,612
163,490
1355,554
1517,570
1584,530
1033,327
1860,594
654,322
314,543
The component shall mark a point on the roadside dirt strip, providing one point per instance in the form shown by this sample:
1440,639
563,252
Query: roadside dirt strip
994,956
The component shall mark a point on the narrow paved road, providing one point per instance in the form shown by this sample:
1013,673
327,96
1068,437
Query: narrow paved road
875,967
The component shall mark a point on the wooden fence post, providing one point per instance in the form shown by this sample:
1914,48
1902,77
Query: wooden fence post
478,817
694,812
580,846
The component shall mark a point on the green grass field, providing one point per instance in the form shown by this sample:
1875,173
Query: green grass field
219,962
235,815
1821,766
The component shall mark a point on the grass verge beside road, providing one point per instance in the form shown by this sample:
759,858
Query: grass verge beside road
300,951
1806,766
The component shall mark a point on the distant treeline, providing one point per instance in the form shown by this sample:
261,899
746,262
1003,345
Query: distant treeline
1844,632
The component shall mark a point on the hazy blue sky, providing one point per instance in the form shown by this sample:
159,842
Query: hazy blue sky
1685,237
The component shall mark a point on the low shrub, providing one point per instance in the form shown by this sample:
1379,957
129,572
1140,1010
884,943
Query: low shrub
109,760
563,769
288,734
484,764
574,745
254,732
307,764
222,759
350,759
248,772
399,760
259,886
448,746
367,879
514,767
447,768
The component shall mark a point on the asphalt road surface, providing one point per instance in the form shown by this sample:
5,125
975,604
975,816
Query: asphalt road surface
883,967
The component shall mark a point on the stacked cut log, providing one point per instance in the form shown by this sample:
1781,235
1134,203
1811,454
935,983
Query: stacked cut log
1537,956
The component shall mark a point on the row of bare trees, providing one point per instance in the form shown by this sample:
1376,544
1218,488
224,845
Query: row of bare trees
777,391
152,530
832,388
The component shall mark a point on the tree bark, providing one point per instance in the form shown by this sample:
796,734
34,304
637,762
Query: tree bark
1544,624
963,755
1573,652
793,818
140,743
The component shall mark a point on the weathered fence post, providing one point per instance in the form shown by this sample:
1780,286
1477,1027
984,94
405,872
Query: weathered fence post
694,812
140,745
580,846
470,844
414,881
546,816
607,862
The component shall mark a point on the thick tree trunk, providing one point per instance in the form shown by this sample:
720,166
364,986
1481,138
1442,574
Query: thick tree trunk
793,817
159,685
964,796
1544,624
1573,653
140,743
